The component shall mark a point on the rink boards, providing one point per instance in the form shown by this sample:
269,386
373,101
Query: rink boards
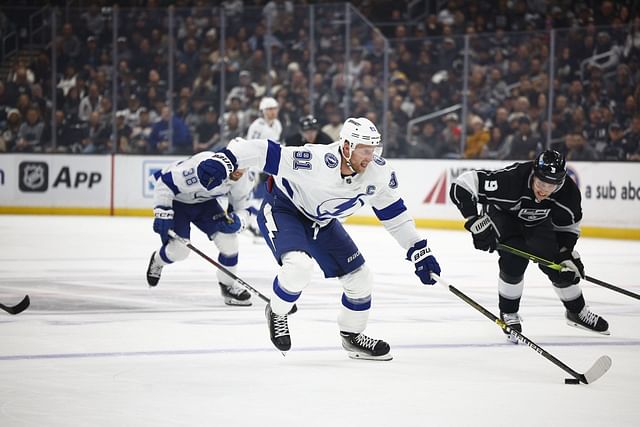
119,185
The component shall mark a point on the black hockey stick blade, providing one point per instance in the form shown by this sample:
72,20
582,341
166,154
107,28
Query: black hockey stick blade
18,308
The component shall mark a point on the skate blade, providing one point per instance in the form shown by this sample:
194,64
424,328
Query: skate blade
579,326
236,302
363,356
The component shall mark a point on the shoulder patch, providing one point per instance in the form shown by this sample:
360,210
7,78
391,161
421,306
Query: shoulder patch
379,160
331,160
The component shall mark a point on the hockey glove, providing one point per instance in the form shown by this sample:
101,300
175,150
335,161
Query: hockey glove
212,172
485,237
424,262
231,224
572,268
163,222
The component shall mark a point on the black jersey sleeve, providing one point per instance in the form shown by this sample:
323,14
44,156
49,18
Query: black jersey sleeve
567,214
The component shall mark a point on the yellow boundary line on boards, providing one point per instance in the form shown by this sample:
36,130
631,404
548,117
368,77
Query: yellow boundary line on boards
446,224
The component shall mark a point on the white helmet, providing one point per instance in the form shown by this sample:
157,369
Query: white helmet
268,102
360,131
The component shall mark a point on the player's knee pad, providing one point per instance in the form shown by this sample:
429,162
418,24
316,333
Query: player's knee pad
358,284
296,271
506,277
227,244
174,251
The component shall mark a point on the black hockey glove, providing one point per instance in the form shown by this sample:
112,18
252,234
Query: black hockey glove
485,237
572,268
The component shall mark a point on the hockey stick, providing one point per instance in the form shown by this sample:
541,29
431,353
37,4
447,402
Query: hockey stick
219,266
222,268
599,368
558,267
18,308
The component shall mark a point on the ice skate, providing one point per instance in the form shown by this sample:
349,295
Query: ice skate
513,320
154,271
235,295
278,329
588,320
360,346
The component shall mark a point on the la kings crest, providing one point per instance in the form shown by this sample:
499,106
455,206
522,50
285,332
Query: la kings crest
533,215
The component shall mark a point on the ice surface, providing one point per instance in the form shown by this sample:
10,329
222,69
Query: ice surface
98,347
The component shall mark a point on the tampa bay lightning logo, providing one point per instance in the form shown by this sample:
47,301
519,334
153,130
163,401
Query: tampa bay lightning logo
379,160
331,160
340,207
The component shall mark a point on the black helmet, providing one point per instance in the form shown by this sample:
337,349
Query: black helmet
308,123
550,166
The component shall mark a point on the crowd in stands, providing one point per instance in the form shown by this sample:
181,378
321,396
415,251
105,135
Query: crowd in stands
102,106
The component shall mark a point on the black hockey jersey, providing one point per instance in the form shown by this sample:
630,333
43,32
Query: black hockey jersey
509,191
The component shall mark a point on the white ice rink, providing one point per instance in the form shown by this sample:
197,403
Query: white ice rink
98,347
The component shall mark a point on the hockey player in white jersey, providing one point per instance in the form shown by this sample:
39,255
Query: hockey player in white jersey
313,187
187,192
266,127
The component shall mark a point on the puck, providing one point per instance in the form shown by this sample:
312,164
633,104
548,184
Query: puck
571,381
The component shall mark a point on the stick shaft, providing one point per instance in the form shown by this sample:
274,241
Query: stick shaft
221,267
558,267
509,330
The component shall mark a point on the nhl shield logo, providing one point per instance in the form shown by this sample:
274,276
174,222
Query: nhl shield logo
34,177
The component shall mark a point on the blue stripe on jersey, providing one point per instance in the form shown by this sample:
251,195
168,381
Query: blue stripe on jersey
360,304
287,187
272,164
391,211
231,157
283,294
228,261
168,180
157,174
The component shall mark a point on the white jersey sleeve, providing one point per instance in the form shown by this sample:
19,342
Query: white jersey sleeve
310,177
179,181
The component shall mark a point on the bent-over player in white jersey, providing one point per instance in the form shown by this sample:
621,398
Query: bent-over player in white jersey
313,187
186,192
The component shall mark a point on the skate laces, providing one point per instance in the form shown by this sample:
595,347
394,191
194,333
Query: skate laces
511,318
587,316
365,341
235,290
155,268
280,326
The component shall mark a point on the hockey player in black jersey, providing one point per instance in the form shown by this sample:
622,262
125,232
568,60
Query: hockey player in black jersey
533,207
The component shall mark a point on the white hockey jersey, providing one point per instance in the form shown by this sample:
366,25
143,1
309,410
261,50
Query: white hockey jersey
260,129
179,181
310,177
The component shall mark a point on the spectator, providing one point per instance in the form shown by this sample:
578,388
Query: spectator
9,133
141,132
123,133
89,103
498,147
309,133
450,138
333,127
525,143
208,132
231,128
477,140
617,146
30,133
160,140
426,144
96,138
576,148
